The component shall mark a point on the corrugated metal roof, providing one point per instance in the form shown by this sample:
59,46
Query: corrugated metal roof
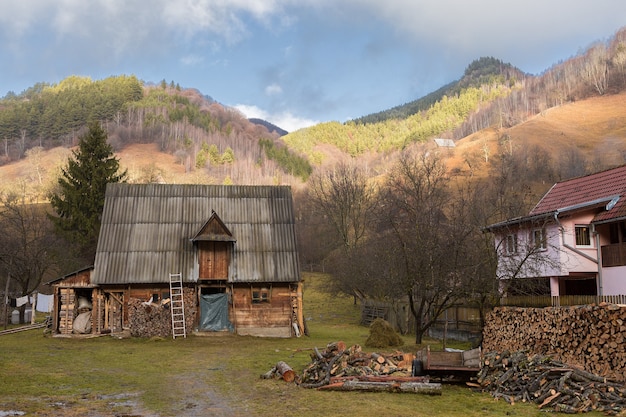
146,231
591,188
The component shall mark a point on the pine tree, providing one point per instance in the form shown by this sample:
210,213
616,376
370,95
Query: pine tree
80,196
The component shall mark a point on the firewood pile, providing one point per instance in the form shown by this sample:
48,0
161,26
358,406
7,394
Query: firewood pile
350,369
552,385
149,319
593,337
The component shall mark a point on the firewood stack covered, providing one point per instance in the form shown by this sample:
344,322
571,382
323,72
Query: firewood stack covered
552,385
350,369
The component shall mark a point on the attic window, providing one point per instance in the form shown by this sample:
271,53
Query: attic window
260,295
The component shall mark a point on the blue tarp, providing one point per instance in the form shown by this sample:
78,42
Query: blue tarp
214,313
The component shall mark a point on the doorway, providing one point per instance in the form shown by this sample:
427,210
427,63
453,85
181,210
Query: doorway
214,310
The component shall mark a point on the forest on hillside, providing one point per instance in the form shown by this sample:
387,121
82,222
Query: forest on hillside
222,145
491,94
204,135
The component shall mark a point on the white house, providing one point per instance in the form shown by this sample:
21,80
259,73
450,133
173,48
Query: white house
573,241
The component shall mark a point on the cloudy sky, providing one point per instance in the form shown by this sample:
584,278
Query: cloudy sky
293,62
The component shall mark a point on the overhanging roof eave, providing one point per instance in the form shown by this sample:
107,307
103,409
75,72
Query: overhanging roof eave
519,220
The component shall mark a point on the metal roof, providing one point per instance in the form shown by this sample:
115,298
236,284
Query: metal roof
147,232
595,187
604,191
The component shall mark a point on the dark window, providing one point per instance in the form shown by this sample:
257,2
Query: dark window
260,295
583,237
539,239
510,247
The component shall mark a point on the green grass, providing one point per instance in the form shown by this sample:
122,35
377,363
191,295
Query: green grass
210,375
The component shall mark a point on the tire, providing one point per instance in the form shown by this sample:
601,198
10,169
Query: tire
418,368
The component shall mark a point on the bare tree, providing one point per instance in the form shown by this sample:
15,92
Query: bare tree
28,243
345,196
426,237
596,68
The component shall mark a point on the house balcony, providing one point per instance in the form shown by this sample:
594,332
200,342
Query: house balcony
614,255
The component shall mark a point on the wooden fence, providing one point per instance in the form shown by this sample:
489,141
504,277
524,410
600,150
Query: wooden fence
561,301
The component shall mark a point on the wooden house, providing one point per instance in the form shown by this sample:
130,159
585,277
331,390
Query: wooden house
573,241
235,247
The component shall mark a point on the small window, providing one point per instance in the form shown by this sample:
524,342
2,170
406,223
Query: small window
510,245
583,236
260,295
539,239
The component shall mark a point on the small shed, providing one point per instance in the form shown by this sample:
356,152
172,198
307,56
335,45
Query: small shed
444,143
235,247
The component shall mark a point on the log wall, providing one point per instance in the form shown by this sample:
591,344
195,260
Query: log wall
591,337
271,317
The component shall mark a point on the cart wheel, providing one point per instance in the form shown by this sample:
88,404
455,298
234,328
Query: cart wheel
418,368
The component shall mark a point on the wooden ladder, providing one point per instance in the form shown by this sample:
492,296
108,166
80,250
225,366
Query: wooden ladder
177,306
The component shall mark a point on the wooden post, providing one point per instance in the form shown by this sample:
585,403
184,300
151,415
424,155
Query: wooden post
6,303
33,307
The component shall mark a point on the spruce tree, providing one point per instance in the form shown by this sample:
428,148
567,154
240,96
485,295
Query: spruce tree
79,198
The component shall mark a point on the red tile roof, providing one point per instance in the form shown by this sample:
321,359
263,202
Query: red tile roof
599,187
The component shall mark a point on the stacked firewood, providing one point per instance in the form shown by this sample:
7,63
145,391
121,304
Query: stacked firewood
552,385
339,367
150,319
592,337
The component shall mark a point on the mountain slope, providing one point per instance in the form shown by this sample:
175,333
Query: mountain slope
483,71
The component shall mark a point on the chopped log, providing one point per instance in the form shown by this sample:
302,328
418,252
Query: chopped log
408,387
381,378
550,384
269,374
285,371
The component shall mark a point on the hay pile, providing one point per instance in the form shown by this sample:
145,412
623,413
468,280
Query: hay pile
383,335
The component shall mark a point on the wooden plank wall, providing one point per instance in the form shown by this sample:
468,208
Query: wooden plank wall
271,318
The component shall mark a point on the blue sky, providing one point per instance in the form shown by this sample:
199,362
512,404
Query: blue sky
293,62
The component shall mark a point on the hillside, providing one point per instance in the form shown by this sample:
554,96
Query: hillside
483,71
595,126
566,121
214,142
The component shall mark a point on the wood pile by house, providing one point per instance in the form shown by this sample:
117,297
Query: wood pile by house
339,367
149,319
67,310
591,337
551,384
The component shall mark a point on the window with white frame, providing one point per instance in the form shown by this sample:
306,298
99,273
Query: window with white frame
583,235
510,244
539,239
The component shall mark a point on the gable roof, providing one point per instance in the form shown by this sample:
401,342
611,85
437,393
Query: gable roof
605,190
148,230
214,230
597,189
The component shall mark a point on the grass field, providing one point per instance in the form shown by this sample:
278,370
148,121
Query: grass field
209,376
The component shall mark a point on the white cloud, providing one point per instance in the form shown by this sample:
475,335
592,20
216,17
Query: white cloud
273,89
285,120
191,60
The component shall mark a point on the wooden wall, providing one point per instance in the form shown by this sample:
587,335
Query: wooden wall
257,315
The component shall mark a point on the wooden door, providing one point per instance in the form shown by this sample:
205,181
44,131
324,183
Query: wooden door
213,258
